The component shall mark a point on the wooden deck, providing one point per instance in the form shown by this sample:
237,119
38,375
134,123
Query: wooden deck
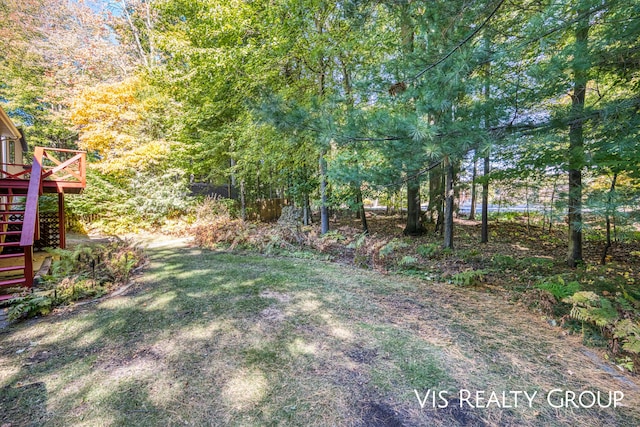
57,171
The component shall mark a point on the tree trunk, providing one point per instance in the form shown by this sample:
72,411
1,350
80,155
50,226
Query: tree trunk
436,194
361,212
553,195
136,35
414,224
484,233
526,198
576,141
306,210
472,210
456,190
448,206
324,209
243,204
232,177
607,246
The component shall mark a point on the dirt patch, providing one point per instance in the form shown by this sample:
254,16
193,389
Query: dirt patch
458,414
279,296
362,355
40,356
380,414
272,314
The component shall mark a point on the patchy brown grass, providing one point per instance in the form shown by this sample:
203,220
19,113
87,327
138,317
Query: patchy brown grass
211,338
519,258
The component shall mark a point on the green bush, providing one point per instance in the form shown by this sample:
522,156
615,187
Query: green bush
138,202
591,308
408,260
108,263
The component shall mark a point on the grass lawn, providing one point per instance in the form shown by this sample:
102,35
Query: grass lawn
212,338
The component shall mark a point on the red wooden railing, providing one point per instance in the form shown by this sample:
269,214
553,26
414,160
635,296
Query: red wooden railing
62,172
18,175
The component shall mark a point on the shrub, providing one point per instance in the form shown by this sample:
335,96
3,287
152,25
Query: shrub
137,201
215,224
110,263
591,308
408,260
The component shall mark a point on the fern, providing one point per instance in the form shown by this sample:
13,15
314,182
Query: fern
632,345
558,288
504,261
629,332
29,306
582,298
624,303
468,278
626,363
408,260
429,250
391,247
358,241
591,308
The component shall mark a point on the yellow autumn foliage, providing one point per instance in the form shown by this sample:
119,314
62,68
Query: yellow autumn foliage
108,117
149,156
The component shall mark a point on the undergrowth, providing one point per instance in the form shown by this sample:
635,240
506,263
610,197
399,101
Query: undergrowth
537,279
77,274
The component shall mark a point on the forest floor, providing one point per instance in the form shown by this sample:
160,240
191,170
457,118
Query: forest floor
217,338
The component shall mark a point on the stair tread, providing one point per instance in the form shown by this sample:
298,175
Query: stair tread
10,282
10,233
6,297
10,244
12,268
16,255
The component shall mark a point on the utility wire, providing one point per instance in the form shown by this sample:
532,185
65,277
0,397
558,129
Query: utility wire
462,43
517,47
411,177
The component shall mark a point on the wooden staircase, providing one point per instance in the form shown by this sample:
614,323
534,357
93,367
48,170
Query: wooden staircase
11,220
13,265
52,171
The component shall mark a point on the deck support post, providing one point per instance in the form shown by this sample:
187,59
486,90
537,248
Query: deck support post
61,221
28,266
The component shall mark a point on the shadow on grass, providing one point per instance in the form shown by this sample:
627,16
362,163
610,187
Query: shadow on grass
190,344
217,339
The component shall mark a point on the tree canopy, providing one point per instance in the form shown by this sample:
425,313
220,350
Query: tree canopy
321,102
